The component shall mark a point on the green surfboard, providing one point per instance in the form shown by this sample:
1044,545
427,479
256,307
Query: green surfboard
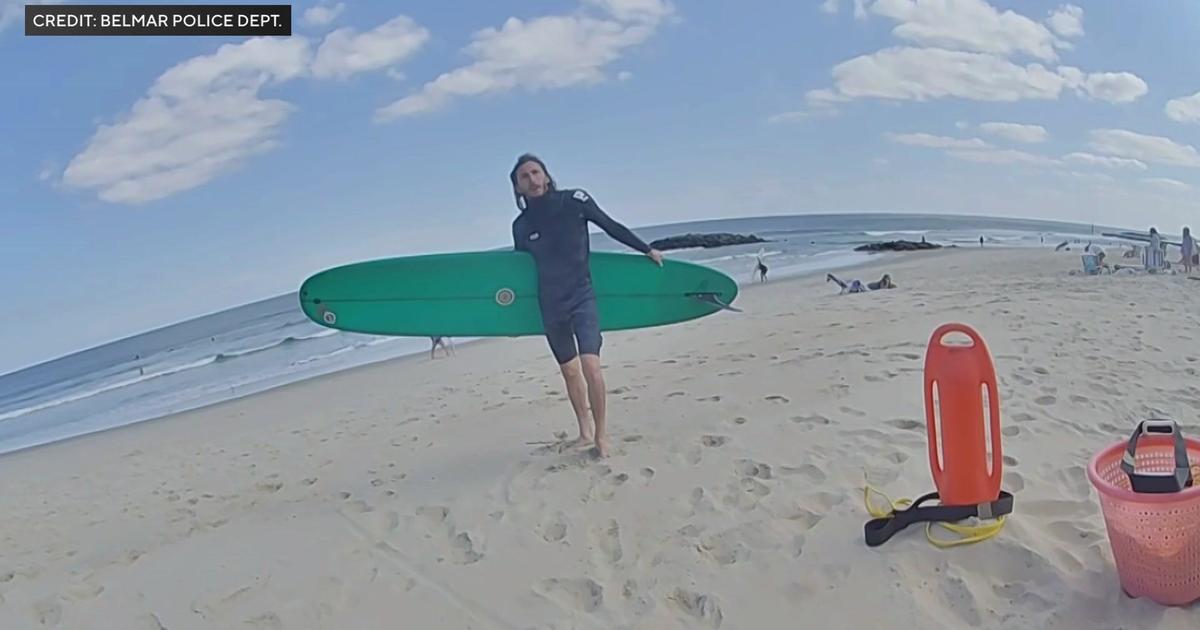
494,294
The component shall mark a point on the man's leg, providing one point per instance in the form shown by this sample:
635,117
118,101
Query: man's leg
562,344
577,391
587,331
596,396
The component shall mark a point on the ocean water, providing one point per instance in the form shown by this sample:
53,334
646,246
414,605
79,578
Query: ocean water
258,346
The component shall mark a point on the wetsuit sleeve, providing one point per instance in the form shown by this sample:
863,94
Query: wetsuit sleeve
610,226
516,241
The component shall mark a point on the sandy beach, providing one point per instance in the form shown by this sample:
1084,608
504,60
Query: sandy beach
433,494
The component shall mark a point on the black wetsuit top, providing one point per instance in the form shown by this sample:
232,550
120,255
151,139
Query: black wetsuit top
553,228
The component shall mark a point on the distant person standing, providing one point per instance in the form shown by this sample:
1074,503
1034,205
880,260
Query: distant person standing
1190,257
761,269
1154,253
981,241
443,342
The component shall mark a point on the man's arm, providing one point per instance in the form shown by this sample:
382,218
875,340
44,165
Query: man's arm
610,226
516,240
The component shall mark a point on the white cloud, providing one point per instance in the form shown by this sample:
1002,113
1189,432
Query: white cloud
322,15
543,53
204,116
1166,183
921,74
1114,87
969,25
1067,21
928,73
200,118
13,11
1007,156
1012,131
830,6
1100,160
936,142
1156,149
965,49
346,52
646,11
624,75
783,117
1184,109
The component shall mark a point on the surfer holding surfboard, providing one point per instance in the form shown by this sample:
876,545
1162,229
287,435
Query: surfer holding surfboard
553,228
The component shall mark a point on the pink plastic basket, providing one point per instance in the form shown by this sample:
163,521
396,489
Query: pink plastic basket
1155,537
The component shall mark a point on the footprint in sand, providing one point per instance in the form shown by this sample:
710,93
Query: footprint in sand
740,420
1009,460
674,394
700,502
629,439
724,548
779,399
1045,400
811,421
607,540
1014,482
1023,417
1041,370
556,529
647,473
1010,431
750,468
640,602
715,398
437,518
47,612
714,441
572,594
704,609
896,356
907,424
853,412
1022,380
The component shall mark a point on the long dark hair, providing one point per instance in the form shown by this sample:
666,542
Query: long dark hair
512,177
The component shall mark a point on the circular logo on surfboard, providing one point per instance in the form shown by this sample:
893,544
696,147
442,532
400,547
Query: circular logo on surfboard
329,317
505,296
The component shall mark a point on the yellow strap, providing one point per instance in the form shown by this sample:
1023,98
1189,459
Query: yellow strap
970,533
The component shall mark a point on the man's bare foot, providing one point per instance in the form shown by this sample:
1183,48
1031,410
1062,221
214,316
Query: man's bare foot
581,441
602,445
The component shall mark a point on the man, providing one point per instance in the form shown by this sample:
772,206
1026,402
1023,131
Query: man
553,228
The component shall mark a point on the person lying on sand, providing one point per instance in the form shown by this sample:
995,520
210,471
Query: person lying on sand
857,286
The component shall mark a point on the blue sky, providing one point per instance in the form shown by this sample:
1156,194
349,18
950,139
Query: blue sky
150,179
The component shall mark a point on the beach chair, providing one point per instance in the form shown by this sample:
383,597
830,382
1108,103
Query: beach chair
1091,264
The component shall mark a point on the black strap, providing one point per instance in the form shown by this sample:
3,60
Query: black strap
1154,483
878,530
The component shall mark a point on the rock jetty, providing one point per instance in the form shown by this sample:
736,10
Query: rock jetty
685,241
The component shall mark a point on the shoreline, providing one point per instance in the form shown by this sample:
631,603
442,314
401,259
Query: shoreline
414,356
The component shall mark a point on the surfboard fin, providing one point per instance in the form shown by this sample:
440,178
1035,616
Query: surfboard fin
711,298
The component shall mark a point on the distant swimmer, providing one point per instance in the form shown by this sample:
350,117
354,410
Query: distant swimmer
552,227
857,286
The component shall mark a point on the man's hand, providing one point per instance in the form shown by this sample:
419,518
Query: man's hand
656,256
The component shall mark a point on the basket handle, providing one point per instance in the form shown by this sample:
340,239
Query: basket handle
1158,483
